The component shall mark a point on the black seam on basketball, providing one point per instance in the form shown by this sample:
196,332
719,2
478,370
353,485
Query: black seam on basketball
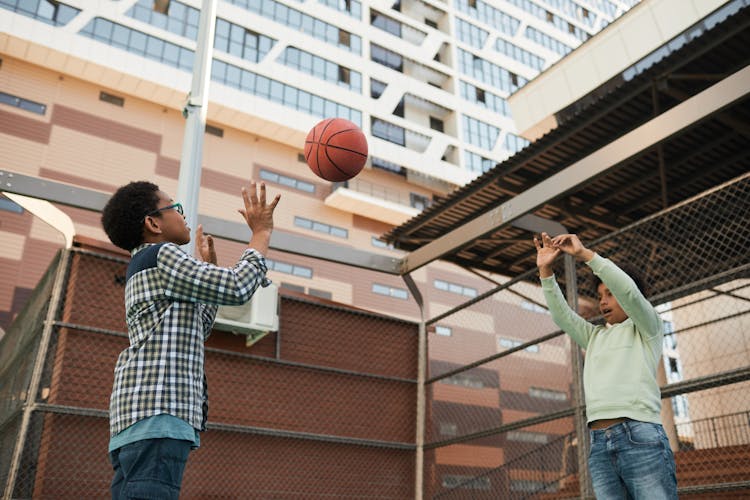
340,148
330,161
316,146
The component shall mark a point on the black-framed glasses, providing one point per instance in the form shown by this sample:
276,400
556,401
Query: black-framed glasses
176,206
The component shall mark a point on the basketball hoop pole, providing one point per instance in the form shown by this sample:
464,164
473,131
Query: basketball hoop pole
189,180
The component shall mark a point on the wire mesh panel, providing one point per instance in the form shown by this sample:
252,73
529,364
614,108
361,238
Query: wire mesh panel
695,265
305,412
528,462
500,400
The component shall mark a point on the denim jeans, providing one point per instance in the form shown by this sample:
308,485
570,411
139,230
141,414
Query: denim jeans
632,460
151,468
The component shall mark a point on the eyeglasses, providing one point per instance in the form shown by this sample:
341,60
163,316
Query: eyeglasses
176,206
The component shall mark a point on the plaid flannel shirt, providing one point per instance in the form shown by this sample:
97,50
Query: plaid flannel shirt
170,306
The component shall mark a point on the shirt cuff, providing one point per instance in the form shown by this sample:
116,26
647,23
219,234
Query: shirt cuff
595,261
548,281
253,253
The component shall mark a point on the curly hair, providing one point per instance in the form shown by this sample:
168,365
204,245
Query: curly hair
122,217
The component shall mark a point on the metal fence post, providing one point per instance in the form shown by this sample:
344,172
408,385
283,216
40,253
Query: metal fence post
576,359
421,380
36,375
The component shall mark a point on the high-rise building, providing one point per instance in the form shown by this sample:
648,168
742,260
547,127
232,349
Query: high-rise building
91,93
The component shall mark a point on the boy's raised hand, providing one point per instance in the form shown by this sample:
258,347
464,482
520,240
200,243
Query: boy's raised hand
571,244
205,245
259,215
546,254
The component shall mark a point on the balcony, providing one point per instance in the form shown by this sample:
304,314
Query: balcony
371,200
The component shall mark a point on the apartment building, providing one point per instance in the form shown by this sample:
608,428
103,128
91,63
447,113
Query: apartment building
92,94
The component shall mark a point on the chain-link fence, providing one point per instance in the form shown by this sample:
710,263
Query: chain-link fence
327,407
323,408
502,418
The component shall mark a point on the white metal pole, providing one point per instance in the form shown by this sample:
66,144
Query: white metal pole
189,180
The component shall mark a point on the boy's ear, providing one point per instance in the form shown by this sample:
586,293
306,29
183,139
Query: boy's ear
151,225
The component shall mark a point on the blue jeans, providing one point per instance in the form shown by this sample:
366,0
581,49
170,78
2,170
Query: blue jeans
632,460
151,468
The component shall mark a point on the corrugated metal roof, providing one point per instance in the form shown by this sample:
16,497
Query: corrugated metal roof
698,158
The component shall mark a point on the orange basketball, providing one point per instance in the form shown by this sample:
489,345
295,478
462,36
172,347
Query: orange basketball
336,149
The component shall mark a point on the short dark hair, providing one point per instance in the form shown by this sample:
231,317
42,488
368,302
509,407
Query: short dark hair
631,271
123,214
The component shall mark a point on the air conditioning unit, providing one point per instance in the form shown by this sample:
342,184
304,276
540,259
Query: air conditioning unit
255,318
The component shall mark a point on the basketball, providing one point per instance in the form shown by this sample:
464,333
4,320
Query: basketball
336,149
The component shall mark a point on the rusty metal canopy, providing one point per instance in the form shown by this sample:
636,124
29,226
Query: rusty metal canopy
699,157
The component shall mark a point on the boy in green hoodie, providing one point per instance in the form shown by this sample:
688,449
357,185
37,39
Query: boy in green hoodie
630,454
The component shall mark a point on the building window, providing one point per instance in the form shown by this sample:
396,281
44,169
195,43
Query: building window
484,98
241,42
345,38
21,103
549,394
437,124
479,133
111,99
287,181
448,429
300,21
466,482
530,486
531,306
385,23
211,130
386,57
351,7
376,88
175,17
10,205
47,11
399,109
511,343
380,244
293,287
287,268
513,143
389,291
464,380
344,75
443,331
323,294
321,68
139,43
431,23
321,227
388,131
528,437
418,201
388,166
477,163
455,288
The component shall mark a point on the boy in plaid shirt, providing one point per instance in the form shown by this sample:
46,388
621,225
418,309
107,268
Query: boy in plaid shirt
159,397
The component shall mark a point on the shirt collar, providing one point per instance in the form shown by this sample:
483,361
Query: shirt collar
139,248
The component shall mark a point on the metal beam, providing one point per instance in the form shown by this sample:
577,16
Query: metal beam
669,123
88,199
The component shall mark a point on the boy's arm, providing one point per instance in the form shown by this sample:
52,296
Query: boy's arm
628,296
571,323
187,279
